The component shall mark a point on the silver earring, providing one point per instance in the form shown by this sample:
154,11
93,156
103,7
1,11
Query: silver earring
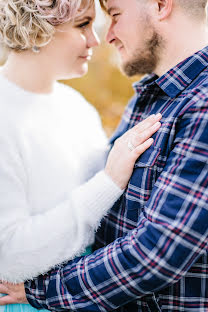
36,49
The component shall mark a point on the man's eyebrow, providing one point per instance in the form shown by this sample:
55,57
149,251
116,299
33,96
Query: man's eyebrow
112,9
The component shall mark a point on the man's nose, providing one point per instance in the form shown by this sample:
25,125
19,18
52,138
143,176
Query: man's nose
110,37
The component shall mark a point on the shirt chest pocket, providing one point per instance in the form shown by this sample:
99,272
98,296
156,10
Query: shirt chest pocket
143,178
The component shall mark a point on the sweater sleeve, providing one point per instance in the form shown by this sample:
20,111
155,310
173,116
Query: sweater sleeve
32,244
95,157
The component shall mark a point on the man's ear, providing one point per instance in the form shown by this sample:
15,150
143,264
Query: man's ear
164,8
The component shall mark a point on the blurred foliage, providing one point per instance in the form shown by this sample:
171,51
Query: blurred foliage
105,87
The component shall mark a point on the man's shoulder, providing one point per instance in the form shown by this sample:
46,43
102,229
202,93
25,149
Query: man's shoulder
198,89
196,94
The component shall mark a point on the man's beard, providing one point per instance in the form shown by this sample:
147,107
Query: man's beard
146,60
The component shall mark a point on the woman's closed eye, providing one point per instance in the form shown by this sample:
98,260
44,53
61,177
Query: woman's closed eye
84,24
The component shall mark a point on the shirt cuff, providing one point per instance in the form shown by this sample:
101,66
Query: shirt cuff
36,300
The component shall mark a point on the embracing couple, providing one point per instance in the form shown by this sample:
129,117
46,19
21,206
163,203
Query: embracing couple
145,195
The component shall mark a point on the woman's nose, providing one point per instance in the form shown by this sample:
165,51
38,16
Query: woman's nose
93,39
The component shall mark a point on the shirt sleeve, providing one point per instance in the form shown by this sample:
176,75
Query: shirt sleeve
171,234
33,244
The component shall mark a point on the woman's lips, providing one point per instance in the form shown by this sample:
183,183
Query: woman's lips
86,57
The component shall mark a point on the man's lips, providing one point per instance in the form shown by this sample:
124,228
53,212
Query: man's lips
119,47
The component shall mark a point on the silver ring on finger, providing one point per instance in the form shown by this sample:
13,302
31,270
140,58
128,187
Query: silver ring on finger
131,146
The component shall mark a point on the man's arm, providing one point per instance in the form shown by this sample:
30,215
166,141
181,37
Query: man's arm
171,234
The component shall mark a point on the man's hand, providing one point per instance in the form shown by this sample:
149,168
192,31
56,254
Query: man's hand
15,293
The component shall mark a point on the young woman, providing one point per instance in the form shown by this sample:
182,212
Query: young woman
55,183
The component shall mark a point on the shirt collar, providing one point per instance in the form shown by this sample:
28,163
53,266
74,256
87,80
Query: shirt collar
179,77
145,83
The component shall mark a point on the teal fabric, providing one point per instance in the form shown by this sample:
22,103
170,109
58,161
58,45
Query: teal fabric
18,308
88,251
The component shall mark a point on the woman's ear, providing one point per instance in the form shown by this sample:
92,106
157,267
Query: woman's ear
164,8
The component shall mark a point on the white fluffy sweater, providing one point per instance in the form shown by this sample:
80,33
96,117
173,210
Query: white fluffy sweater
50,145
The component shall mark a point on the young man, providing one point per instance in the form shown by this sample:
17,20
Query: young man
156,235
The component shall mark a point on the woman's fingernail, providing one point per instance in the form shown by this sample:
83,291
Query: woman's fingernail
158,116
157,124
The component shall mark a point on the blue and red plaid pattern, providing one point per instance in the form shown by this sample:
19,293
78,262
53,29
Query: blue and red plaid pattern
154,240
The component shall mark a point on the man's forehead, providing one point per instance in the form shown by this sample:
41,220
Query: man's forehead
112,3
120,4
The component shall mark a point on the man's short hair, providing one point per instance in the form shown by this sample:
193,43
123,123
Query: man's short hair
193,7
103,4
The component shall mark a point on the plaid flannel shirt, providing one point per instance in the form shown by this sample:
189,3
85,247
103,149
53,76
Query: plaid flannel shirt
156,234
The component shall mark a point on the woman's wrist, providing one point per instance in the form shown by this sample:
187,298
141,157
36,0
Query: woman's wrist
96,197
115,179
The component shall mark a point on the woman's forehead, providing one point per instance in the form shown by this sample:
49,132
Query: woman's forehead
89,12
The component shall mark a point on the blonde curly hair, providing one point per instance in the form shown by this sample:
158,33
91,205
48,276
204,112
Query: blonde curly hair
28,23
